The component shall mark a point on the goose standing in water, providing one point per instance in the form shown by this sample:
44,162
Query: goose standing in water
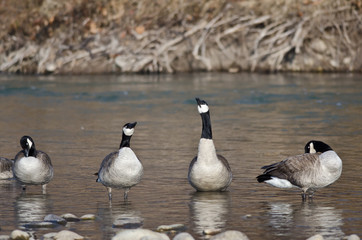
121,169
6,170
208,171
318,167
32,167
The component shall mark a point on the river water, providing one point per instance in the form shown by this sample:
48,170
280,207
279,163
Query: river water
257,119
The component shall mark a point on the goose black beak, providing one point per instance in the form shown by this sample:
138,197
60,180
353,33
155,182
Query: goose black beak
132,125
199,102
26,152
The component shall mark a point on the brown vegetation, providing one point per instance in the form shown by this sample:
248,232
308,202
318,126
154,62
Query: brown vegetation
99,36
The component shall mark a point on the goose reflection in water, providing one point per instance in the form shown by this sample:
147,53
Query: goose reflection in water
209,210
118,216
308,218
31,208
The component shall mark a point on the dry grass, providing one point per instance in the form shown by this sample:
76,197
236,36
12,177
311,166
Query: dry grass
168,36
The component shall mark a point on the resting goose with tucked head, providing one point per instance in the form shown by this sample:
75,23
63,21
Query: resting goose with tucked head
121,169
32,167
318,167
208,171
6,166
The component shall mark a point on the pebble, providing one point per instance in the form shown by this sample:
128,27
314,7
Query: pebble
353,237
176,226
316,237
138,234
184,236
70,217
88,217
49,236
40,225
129,223
211,231
230,234
55,218
67,235
19,235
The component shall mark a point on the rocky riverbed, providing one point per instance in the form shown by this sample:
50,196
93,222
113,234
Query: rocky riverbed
129,229
119,36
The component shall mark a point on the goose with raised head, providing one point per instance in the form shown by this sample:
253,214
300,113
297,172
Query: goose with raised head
208,171
6,171
318,167
122,168
31,166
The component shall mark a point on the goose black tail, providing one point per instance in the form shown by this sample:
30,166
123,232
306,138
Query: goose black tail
263,177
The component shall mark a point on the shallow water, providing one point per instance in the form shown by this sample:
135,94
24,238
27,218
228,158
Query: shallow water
257,119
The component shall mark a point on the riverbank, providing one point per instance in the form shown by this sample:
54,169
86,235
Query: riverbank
82,37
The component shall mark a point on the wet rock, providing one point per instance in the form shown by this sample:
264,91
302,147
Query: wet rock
129,223
4,237
184,236
177,226
70,217
235,235
40,225
19,235
49,236
316,237
211,231
67,235
55,219
138,234
88,217
353,237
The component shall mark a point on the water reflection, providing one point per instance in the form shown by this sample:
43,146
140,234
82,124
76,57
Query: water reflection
116,216
31,208
209,210
7,185
311,218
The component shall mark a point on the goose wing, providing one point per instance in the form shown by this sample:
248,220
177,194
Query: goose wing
5,164
224,162
19,155
293,167
192,164
44,157
108,161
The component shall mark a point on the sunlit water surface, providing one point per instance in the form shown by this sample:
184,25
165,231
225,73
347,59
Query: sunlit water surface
257,119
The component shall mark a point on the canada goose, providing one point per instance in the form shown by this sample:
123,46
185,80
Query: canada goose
6,170
208,171
121,169
32,167
318,167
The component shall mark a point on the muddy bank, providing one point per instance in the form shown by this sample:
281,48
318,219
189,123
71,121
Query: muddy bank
89,36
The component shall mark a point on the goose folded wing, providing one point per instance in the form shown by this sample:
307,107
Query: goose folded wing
292,167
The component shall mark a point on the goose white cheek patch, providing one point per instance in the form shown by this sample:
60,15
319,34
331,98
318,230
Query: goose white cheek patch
29,142
128,131
203,108
311,148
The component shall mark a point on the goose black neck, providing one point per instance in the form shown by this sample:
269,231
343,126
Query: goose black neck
206,126
31,152
125,141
